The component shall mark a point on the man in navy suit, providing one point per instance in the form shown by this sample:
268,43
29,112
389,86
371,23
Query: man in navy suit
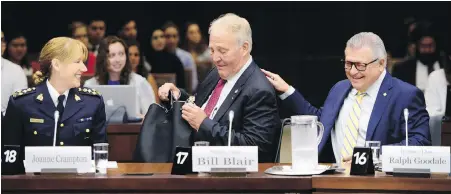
368,106
235,84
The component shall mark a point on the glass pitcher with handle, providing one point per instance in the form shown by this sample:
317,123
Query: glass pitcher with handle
304,141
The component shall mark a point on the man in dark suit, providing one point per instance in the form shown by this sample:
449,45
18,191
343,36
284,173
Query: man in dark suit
368,106
416,70
235,84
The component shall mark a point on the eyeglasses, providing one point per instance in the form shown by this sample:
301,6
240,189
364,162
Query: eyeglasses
358,65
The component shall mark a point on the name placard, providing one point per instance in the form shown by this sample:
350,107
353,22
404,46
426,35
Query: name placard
65,159
434,158
225,158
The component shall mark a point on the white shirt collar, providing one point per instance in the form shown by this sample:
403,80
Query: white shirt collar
374,88
54,94
234,78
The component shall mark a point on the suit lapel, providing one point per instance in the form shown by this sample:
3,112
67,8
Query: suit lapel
236,90
380,105
42,96
73,104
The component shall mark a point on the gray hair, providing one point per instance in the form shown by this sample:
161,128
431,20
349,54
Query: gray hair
235,24
370,40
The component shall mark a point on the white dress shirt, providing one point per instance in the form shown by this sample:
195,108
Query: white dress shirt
366,106
422,74
227,88
435,93
55,94
13,79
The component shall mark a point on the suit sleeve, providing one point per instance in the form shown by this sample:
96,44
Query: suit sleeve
12,139
418,124
99,124
300,106
260,124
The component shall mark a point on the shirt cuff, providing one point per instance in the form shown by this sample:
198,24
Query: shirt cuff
287,93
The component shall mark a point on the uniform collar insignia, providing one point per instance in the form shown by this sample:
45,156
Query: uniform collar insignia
77,98
40,97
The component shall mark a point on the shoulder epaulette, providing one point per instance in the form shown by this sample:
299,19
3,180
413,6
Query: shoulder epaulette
24,92
88,91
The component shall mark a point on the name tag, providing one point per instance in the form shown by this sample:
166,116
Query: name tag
225,158
434,158
67,159
34,120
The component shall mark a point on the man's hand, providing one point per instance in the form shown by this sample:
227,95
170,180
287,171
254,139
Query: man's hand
347,159
193,114
277,81
163,91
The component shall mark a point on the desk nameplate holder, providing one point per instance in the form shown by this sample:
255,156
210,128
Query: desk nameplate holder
58,160
225,161
415,161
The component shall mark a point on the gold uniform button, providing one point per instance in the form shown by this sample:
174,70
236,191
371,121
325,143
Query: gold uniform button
62,125
87,130
61,143
35,132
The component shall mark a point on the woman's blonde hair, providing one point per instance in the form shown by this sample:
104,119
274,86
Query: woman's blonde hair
62,48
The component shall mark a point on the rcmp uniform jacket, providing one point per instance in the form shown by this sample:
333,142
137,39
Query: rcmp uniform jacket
29,119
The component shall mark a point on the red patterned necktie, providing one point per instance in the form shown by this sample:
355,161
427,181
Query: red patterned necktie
214,97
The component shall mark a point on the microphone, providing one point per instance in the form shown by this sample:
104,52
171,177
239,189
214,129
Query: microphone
406,117
56,116
231,114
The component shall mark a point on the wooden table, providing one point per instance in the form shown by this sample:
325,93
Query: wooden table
122,139
162,181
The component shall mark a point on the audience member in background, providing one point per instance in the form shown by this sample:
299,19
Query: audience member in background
162,61
368,106
436,92
197,46
29,118
136,60
416,70
96,32
410,49
171,32
79,31
13,78
113,68
16,52
129,31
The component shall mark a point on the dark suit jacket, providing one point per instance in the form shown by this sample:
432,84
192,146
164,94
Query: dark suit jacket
256,121
387,123
406,70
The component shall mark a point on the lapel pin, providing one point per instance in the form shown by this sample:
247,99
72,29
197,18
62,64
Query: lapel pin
236,91
385,94
77,98
40,97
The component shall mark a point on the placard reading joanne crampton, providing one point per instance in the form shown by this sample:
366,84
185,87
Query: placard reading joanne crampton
67,157
206,158
435,158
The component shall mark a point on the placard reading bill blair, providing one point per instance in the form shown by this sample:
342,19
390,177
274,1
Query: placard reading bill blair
58,159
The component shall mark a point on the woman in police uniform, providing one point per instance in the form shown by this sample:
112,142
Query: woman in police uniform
32,113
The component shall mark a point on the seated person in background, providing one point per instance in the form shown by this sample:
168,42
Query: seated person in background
436,92
162,61
137,63
79,31
171,32
195,44
113,68
29,118
236,84
16,52
416,70
368,106
13,78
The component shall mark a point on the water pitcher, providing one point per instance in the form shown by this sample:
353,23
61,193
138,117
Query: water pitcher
304,141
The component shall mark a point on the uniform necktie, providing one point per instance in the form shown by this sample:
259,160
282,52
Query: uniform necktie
214,97
60,106
352,127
